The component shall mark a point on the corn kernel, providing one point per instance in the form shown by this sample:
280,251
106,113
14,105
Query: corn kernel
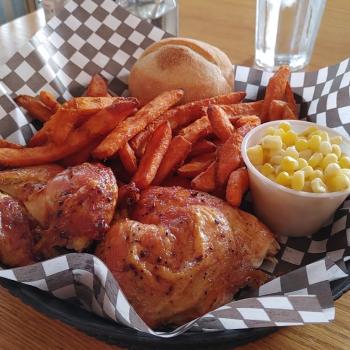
332,169
284,126
309,130
275,152
298,180
344,162
255,154
324,135
337,140
276,160
340,182
292,152
283,178
336,150
308,171
302,163
301,144
325,147
272,177
267,169
289,164
289,138
271,142
307,186
270,130
329,158
346,172
317,174
314,142
279,132
318,186
278,169
306,154
315,159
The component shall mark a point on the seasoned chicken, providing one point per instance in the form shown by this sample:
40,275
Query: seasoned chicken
73,207
15,233
27,185
184,253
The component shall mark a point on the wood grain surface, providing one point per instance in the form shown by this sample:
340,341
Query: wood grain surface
229,24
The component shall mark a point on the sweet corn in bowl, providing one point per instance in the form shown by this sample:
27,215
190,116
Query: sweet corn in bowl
299,174
310,160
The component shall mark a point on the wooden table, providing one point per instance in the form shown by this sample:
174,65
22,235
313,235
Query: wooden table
228,24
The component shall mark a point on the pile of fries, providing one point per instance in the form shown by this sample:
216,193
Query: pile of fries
195,145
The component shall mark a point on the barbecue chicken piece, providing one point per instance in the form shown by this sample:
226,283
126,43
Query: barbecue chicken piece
73,207
15,233
184,253
27,185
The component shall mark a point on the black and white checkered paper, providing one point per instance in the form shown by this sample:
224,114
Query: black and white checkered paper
91,37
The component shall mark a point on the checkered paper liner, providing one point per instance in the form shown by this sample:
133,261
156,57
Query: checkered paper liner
90,37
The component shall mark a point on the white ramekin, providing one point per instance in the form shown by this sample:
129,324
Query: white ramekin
286,211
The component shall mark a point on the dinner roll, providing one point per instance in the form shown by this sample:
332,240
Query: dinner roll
202,70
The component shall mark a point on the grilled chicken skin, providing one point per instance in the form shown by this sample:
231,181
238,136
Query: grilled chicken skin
15,233
184,253
73,207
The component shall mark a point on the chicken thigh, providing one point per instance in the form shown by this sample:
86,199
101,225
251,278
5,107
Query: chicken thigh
183,253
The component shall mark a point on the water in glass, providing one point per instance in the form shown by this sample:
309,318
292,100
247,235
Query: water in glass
286,31
161,13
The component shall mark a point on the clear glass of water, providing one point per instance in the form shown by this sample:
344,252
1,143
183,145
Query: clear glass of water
286,31
161,13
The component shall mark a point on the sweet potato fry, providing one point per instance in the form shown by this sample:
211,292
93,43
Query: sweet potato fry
49,100
237,185
202,147
57,128
97,87
176,116
205,181
81,156
97,126
188,112
90,105
128,159
139,142
182,116
197,165
288,113
198,129
275,90
228,158
289,98
8,144
34,107
220,123
152,158
276,110
177,152
133,125
250,108
247,123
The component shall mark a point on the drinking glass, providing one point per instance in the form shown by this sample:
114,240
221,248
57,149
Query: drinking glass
286,31
161,13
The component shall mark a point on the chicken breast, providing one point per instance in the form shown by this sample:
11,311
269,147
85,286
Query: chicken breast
183,253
